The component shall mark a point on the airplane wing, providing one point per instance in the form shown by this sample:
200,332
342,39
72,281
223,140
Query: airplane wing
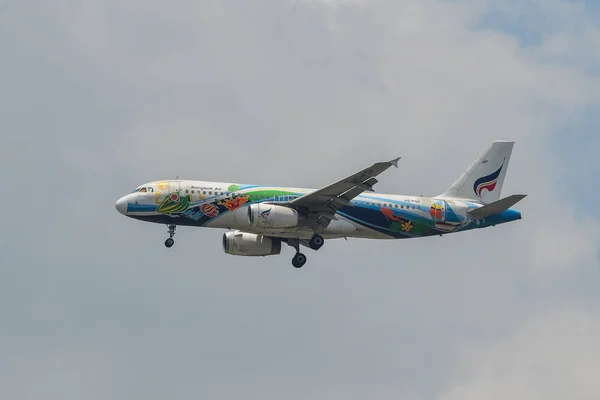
322,204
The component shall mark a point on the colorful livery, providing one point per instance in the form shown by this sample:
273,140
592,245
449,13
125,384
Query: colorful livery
261,218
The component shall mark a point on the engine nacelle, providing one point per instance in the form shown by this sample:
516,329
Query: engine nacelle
269,216
249,244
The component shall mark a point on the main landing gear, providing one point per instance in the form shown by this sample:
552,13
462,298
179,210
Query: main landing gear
170,242
299,259
315,243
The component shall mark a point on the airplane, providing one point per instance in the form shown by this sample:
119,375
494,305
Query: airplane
262,218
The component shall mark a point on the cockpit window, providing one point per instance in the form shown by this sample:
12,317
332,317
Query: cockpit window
143,190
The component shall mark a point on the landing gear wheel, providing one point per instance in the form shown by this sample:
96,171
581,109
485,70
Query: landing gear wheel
316,242
170,242
299,260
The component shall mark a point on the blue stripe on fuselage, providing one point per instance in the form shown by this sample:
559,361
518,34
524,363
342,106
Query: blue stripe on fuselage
131,207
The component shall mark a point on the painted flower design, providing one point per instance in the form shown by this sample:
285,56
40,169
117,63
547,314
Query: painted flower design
234,203
210,210
407,226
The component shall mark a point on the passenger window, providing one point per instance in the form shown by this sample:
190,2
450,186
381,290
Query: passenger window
192,192
210,193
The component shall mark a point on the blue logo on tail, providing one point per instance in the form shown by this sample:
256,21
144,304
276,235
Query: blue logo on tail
487,182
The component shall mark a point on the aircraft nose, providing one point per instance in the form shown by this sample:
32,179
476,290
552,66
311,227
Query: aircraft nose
121,205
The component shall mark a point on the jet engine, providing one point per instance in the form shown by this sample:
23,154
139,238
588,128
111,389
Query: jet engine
249,244
269,216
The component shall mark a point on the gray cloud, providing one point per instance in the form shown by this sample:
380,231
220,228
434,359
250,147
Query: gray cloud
543,359
102,96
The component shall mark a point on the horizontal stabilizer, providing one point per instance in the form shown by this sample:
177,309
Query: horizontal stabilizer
497,207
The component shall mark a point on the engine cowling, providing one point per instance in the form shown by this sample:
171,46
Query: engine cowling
270,216
249,244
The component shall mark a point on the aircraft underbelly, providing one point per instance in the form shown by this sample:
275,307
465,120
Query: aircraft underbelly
336,229
339,227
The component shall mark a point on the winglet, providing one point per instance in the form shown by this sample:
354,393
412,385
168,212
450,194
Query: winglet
394,162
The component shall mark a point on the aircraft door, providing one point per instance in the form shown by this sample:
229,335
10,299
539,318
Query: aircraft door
438,211
161,190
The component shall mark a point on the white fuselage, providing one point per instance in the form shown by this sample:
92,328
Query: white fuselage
370,215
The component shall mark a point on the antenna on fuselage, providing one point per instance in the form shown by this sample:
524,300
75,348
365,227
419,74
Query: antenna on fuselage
177,177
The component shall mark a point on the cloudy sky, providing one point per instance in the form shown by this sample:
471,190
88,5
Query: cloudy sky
99,96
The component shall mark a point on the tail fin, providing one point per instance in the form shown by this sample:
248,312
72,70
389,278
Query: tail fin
483,180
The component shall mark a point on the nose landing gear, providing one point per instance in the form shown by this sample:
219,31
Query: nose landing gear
170,242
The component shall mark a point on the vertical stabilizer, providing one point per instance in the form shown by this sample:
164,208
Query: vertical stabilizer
482,181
